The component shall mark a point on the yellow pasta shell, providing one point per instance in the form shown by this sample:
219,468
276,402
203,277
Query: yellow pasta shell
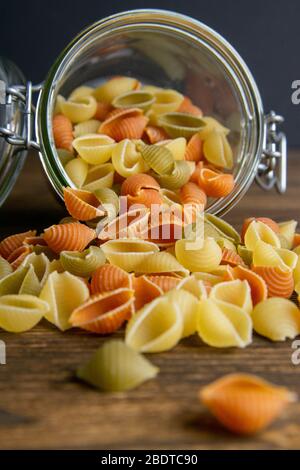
198,255
277,319
77,170
129,253
79,109
258,231
223,326
166,101
188,307
177,147
235,292
94,148
20,313
217,150
5,268
98,177
127,160
114,87
157,327
287,230
212,124
266,255
162,262
87,127
115,367
81,92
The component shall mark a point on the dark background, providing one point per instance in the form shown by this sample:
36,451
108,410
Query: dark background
265,32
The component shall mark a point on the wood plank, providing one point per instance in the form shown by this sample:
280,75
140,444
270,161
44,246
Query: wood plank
43,406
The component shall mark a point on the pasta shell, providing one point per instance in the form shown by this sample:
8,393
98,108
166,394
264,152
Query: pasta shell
18,255
265,220
217,150
224,228
157,327
64,156
245,254
134,99
62,132
68,237
233,292
12,283
194,286
187,304
63,293
198,255
287,230
177,147
77,170
166,101
80,92
129,254
79,109
194,149
164,282
86,127
115,367
127,160
154,134
277,319
102,111
211,124
114,87
5,268
258,286
82,205
11,243
104,313
190,193
188,107
180,124
30,284
108,278
267,255
180,176
99,177
158,157
127,125
95,149
144,291
162,262
82,264
164,227
194,178
215,184
41,265
259,231
245,404
223,325
279,281
19,313
231,257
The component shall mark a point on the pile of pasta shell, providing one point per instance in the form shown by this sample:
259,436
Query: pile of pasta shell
123,128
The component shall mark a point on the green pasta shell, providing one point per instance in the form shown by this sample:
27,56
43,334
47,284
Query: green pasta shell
134,99
30,285
180,124
115,367
159,158
179,176
108,196
83,263
245,254
5,268
22,281
224,228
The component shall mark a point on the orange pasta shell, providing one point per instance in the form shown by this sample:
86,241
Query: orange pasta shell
215,184
231,257
124,124
82,205
190,193
154,134
102,111
243,403
108,278
70,237
165,282
18,255
194,149
11,243
258,286
195,175
144,291
62,132
187,106
135,183
104,313
280,282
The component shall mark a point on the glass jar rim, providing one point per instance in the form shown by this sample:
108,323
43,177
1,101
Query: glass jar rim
185,26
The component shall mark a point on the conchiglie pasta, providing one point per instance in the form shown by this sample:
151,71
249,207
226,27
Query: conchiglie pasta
217,150
166,101
258,231
79,109
277,319
63,293
9,244
211,124
177,147
145,290
214,183
83,263
223,325
81,92
266,255
41,265
70,237
5,268
180,176
115,367
77,170
19,313
94,148
22,281
114,87
287,230
98,177
161,262
62,132
187,304
198,255
128,254
86,128
157,327
233,292
127,160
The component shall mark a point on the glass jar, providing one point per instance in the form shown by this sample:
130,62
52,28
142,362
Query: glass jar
166,49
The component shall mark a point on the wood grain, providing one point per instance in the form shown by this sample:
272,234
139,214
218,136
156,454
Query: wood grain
43,406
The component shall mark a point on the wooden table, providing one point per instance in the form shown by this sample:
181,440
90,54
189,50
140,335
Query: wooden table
42,406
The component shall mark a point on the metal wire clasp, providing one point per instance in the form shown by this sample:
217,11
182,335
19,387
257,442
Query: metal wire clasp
272,169
23,94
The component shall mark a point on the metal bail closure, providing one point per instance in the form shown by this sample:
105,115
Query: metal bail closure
23,95
272,169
